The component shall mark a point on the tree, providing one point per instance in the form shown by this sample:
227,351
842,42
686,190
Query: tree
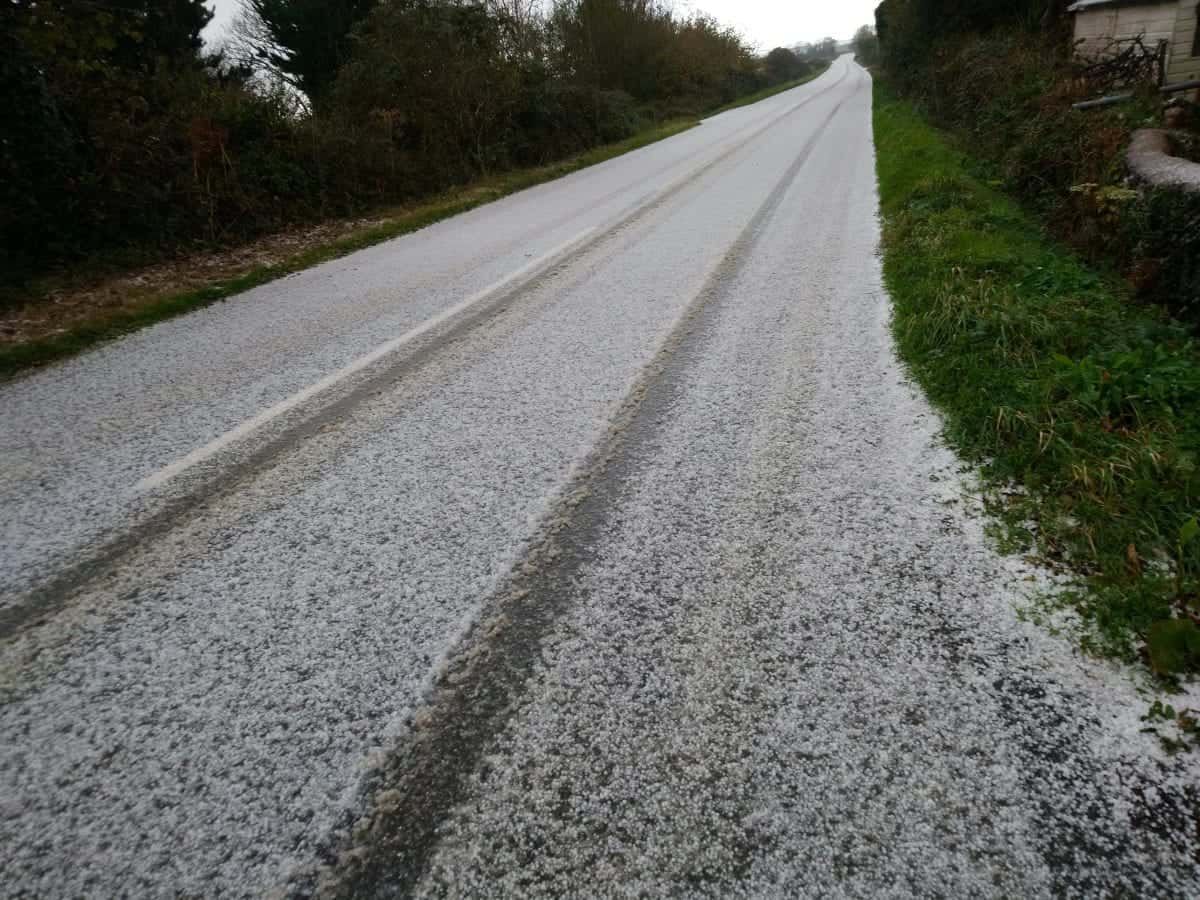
827,48
526,24
822,51
907,29
307,41
866,46
441,74
169,29
784,65
131,34
78,84
707,61
614,44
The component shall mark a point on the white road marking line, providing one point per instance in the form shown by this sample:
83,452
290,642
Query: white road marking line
165,474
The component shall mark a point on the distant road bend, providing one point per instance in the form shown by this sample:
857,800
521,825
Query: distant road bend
589,543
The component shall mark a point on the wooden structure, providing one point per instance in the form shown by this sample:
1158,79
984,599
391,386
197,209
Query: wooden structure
1101,25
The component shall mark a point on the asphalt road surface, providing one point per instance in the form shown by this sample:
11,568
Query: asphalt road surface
590,543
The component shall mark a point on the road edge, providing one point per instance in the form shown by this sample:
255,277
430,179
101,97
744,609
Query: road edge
20,359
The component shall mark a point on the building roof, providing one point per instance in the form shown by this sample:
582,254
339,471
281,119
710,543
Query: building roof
1084,5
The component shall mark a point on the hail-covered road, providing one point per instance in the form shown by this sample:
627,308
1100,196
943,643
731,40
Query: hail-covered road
590,543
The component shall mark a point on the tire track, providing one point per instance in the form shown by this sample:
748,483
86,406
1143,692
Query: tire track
391,846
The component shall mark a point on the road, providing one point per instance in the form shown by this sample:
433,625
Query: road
592,542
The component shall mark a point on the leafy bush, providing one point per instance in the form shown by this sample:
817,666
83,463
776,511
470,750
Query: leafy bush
909,30
557,120
784,65
122,143
1007,92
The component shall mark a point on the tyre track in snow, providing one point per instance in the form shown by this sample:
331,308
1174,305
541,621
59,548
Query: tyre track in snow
482,679
200,719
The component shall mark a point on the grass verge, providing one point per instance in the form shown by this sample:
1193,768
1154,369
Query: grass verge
1081,409
156,308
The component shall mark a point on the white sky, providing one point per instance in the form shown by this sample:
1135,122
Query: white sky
224,11
765,23
784,23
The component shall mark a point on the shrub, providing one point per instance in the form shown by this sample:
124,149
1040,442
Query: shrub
784,65
122,143
1007,92
557,120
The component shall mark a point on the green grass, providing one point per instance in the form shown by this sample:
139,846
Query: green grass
19,357
1081,409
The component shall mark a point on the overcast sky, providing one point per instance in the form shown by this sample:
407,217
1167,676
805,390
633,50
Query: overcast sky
782,23
766,23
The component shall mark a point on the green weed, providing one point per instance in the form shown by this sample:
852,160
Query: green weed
1183,722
